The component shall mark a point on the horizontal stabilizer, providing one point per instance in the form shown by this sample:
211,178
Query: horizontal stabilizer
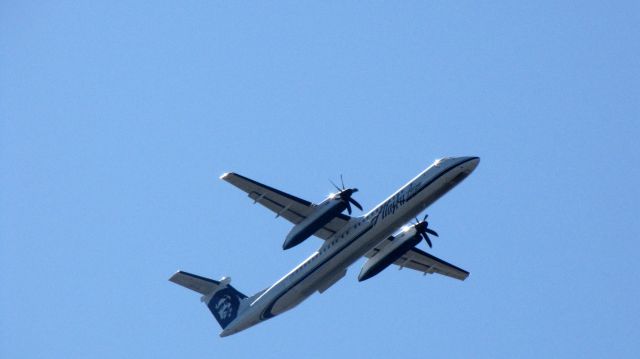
196,283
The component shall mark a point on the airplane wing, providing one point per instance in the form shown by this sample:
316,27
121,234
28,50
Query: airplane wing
292,208
424,262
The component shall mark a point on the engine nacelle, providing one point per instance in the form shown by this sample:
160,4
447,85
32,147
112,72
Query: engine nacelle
322,215
402,243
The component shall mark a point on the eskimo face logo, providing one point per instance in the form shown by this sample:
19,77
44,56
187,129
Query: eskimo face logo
224,307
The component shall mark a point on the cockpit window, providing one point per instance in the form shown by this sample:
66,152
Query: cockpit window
439,161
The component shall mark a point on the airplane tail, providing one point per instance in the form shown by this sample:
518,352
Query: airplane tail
223,300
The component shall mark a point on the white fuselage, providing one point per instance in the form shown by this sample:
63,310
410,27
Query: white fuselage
327,265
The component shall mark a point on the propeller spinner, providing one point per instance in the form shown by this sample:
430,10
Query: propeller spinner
423,228
345,195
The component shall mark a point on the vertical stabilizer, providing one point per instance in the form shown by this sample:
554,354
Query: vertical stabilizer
225,304
222,299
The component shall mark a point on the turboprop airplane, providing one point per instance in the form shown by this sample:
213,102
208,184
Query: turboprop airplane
346,239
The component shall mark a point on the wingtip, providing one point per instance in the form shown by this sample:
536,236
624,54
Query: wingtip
225,175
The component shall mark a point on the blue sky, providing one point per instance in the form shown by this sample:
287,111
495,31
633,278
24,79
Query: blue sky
116,120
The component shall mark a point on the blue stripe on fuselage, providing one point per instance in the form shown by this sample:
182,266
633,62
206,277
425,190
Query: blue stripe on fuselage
266,314
390,206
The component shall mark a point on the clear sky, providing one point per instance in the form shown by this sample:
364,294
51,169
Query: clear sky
116,119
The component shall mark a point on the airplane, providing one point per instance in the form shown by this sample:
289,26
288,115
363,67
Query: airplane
346,239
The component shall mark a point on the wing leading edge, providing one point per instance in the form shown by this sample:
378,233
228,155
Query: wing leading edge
284,205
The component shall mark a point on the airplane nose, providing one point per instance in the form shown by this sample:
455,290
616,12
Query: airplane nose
471,162
474,160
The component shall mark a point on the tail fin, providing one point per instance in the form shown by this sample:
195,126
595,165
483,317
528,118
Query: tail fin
221,298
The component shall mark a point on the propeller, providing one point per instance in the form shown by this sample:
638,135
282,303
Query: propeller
423,228
345,195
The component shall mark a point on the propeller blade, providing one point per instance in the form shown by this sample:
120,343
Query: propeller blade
355,203
431,231
426,238
423,228
335,185
344,194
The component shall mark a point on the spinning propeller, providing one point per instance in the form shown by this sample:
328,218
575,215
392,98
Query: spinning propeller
423,228
345,195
